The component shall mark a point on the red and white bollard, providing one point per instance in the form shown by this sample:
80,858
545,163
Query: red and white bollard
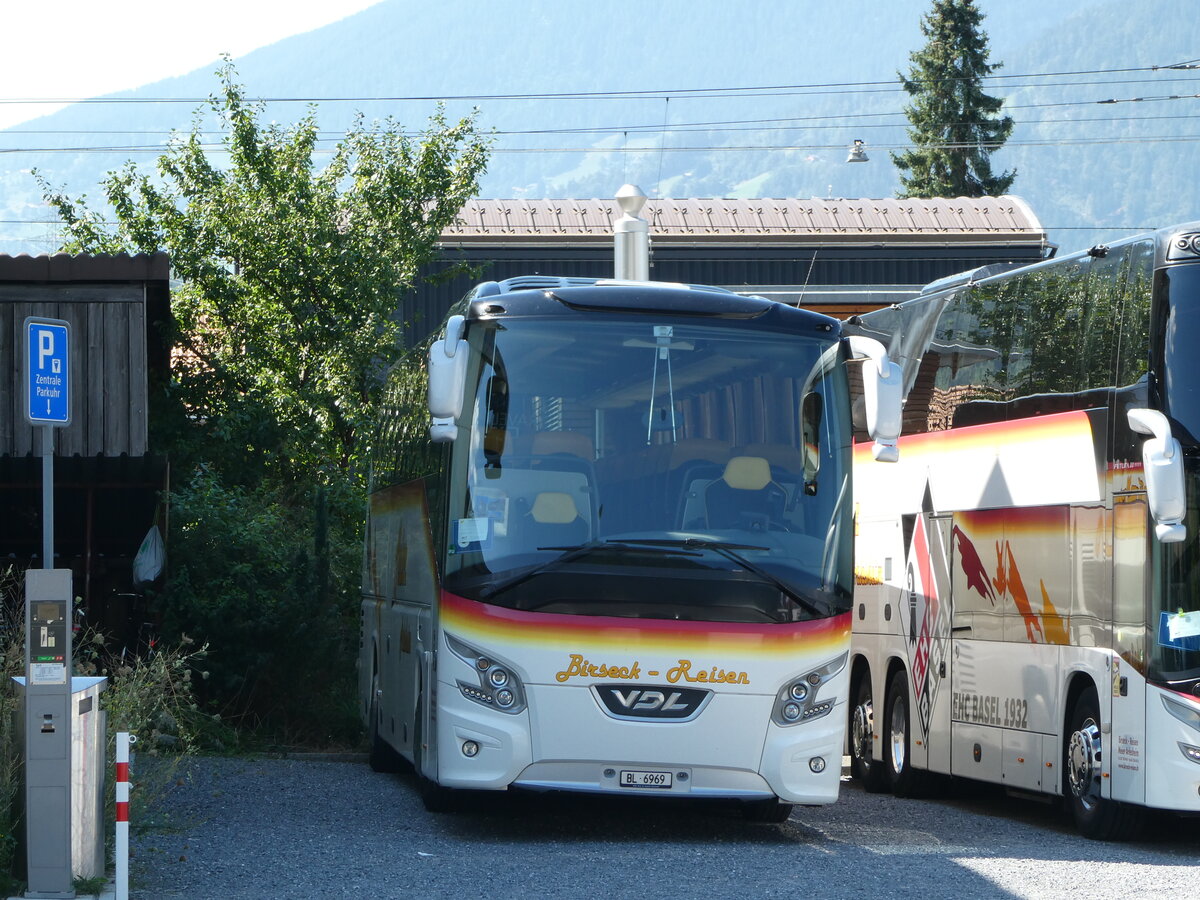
121,852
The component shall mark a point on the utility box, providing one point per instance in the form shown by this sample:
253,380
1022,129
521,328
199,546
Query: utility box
88,768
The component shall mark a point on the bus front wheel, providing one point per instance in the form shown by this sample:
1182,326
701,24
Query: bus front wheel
772,810
904,780
863,766
381,756
435,797
1083,761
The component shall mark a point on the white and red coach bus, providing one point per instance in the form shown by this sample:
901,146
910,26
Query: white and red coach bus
620,558
1028,602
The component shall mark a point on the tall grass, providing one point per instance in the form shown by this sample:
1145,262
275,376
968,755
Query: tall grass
12,663
150,696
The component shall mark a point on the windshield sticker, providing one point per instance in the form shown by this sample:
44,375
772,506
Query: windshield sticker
1183,625
471,534
1184,641
486,504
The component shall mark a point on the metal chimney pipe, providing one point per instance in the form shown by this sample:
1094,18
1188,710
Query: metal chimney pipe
631,236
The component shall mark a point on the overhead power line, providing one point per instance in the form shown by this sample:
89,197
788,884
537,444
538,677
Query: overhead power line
797,123
843,87
708,148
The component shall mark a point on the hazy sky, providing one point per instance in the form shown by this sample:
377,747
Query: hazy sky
69,49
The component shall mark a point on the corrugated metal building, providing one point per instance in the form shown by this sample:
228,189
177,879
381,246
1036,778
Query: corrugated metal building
838,256
107,479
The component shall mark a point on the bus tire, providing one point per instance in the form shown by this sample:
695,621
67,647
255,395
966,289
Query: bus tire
904,780
435,797
1083,757
381,756
772,810
865,769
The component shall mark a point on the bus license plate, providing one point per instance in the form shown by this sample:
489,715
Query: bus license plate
632,778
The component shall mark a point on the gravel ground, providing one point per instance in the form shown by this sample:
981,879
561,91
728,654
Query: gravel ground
231,828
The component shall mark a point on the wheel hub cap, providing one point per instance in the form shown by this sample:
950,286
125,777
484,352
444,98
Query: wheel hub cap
898,727
862,730
1084,755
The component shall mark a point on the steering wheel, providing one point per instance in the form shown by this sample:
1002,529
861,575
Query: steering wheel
753,522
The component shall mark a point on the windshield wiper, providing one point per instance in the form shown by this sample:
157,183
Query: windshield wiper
729,551
570,553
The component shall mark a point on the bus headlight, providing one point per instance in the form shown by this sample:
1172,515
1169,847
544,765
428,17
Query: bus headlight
1185,714
498,687
799,700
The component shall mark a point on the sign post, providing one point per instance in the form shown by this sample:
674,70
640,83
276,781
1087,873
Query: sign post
48,621
47,403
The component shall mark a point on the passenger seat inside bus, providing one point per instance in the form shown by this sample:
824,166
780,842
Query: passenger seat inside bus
569,443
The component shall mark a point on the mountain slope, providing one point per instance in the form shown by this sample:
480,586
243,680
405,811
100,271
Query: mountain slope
460,48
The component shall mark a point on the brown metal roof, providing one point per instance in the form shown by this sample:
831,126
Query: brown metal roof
99,267
961,220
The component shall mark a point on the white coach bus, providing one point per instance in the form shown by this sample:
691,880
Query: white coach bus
620,559
1028,601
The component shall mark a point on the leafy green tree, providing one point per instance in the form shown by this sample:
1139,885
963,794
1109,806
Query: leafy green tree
955,126
289,280
290,275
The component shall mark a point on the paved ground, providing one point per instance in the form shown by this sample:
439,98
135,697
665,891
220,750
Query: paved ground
233,829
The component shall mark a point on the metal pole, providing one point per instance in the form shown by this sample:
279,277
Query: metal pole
47,496
631,237
121,851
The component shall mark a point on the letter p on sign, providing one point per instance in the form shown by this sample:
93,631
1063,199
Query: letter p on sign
45,338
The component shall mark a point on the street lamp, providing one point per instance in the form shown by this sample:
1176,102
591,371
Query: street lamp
858,152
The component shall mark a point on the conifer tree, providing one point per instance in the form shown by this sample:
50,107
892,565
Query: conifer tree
955,125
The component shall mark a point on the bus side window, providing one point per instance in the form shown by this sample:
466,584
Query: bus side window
971,380
810,416
496,421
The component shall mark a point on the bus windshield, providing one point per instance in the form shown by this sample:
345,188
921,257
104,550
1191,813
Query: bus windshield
1180,367
1175,616
654,467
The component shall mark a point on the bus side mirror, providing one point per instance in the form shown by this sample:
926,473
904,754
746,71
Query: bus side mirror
447,380
1162,467
883,396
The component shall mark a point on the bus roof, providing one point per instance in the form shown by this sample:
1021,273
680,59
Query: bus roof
550,295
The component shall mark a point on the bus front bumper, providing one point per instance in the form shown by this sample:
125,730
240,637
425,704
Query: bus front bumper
580,749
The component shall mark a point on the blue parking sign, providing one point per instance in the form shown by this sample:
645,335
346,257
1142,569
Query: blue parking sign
47,371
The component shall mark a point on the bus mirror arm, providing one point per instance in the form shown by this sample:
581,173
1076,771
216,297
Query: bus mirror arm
447,380
443,429
882,395
1162,468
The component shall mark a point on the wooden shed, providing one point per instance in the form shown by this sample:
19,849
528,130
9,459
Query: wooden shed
108,480
838,256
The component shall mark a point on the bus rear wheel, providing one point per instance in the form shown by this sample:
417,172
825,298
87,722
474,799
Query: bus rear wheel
1083,761
863,766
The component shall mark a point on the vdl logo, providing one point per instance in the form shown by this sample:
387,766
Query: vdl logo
651,702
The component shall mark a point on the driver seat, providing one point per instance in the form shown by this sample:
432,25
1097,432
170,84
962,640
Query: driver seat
744,496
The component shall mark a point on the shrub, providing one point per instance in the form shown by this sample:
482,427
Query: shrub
269,581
